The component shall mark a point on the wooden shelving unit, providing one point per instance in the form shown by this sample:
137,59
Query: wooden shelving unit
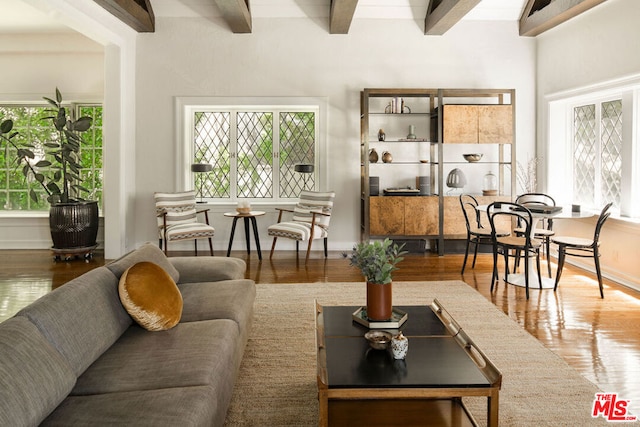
445,121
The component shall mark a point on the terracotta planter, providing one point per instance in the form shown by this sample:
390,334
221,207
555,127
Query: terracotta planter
379,306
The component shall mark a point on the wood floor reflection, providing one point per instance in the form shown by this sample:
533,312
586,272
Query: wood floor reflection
598,337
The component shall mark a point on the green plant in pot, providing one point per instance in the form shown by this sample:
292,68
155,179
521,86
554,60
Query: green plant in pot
377,260
73,220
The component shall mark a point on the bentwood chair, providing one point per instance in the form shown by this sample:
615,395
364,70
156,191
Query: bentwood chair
545,232
310,221
477,234
581,247
177,219
523,243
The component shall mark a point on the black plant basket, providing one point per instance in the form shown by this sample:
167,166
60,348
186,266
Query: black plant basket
74,225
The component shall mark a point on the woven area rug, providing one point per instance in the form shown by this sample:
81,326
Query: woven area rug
277,381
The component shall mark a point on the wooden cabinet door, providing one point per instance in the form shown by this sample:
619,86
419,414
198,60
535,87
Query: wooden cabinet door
421,216
495,124
460,124
454,224
386,215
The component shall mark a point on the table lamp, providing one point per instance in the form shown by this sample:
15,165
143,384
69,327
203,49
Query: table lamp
201,168
305,169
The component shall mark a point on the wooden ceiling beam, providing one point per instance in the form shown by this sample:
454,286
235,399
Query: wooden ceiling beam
138,14
539,16
237,14
342,12
444,14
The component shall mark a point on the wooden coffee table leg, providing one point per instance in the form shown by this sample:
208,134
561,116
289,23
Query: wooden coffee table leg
323,410
492,409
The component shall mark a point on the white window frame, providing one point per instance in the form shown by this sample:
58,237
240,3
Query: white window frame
558,152
187,106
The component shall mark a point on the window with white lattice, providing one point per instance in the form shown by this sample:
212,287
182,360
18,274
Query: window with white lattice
597,149
593,153
253,151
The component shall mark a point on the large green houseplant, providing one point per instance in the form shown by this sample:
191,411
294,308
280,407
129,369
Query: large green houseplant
73,220
377,260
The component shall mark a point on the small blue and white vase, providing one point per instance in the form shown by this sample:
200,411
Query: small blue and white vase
399,346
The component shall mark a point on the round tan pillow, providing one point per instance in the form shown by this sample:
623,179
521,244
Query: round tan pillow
150,296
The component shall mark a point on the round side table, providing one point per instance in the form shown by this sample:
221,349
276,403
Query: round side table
248,217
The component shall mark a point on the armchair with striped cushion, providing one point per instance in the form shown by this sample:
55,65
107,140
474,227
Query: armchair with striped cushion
311,217
177,219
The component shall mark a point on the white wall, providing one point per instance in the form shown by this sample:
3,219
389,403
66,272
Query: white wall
594,48
297,57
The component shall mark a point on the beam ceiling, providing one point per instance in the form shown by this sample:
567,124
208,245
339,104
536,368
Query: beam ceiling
237,14
341,15
138,14
539,16
444,14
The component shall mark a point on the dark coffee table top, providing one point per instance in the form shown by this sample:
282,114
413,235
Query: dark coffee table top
435,358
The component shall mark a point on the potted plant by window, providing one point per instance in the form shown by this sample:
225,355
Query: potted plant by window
377,260
56,169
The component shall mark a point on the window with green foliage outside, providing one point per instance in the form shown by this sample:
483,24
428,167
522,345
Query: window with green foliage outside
254,151
35,130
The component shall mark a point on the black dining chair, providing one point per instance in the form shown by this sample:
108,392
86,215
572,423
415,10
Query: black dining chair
582,247
513,243
545,232
477,234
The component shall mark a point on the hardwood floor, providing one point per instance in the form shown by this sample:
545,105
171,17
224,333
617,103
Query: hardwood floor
598,337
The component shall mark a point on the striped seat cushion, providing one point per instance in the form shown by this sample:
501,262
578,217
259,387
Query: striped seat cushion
189,231
296,230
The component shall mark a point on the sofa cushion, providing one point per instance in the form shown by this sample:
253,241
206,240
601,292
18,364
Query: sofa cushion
82,318
147,252
150,296
208,269
227,299
34,377
188,406
194,353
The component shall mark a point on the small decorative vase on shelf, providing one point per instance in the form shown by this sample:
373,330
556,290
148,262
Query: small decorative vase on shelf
373,156
379,305
412,132
381,135
387,157
399,346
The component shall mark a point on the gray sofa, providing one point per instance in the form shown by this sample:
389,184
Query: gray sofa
75,357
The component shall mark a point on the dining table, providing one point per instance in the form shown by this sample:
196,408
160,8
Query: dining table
565,212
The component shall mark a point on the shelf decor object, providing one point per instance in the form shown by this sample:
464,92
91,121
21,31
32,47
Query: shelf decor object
412,132
490,185
472,158
398,317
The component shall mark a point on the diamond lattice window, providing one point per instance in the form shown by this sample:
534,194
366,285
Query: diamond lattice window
584,153
212,144
297,145
597,146
253,156
610,149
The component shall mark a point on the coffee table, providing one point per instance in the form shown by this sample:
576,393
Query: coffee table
361,386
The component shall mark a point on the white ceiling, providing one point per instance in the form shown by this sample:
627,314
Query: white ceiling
20,17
